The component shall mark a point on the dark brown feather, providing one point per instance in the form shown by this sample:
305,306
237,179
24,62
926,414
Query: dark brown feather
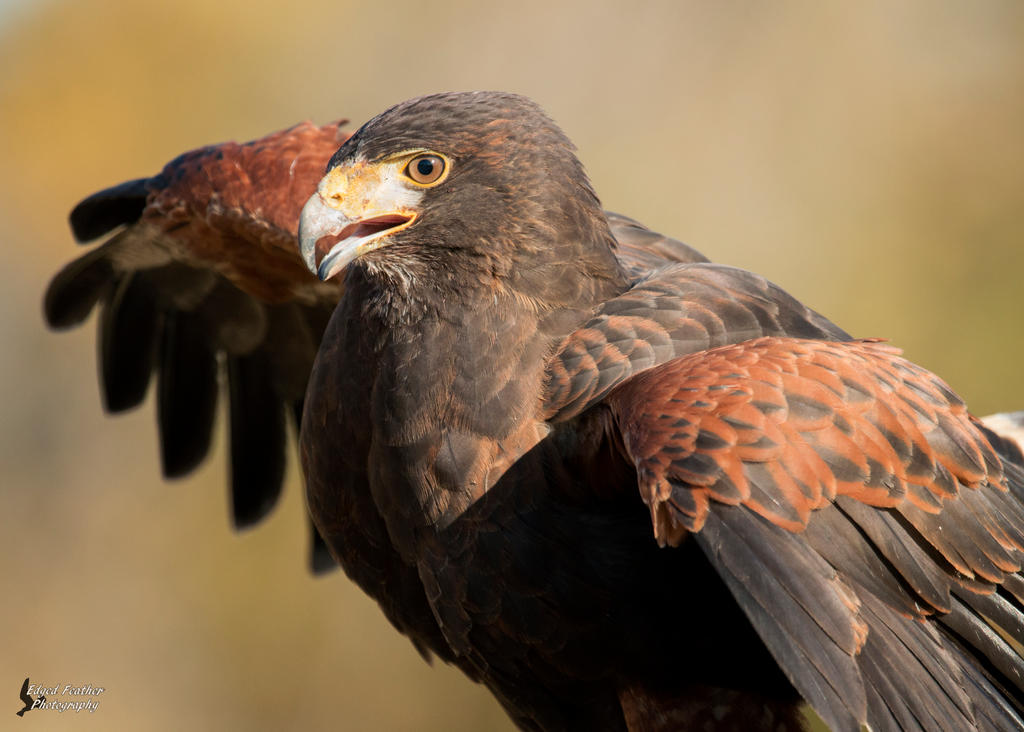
127,344
108,209
257,430
186,395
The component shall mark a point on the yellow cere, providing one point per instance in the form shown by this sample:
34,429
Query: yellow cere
362,190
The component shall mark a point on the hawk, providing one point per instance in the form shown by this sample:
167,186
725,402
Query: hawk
622,486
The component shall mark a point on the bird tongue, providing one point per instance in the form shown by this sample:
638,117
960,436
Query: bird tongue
357,230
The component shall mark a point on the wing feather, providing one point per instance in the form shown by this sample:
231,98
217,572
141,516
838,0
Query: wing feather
677,310
859,515
186,395
257,429
128,327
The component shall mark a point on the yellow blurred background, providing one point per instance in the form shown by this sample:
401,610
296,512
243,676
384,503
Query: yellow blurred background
869,157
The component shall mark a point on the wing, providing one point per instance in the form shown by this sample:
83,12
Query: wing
202,283
642,251
858,514
675,310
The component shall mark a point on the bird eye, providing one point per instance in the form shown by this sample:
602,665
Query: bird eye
425,169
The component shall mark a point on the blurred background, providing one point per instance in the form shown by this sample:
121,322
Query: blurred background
869,157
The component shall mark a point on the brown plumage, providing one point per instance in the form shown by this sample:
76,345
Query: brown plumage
207,263
510,410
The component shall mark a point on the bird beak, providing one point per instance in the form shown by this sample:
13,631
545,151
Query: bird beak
354,209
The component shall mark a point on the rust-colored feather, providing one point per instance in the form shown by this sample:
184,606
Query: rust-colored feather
788,396
235,208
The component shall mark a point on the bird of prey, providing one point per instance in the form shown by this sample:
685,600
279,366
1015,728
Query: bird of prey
623,487
203,281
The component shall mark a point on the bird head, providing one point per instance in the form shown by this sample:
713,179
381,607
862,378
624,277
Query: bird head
468,188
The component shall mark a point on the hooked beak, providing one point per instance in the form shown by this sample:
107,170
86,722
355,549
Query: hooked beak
351,213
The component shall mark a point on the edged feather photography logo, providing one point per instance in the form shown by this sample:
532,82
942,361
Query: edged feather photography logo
59,697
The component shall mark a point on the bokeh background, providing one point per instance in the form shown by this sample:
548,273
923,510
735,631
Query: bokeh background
869,157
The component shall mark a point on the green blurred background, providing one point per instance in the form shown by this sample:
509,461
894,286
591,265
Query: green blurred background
869,157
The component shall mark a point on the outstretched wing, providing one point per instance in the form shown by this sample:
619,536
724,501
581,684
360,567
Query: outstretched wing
858,514
202,282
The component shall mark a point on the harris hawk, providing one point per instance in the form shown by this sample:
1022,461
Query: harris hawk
621,486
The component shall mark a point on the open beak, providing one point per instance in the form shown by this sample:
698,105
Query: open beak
351,213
